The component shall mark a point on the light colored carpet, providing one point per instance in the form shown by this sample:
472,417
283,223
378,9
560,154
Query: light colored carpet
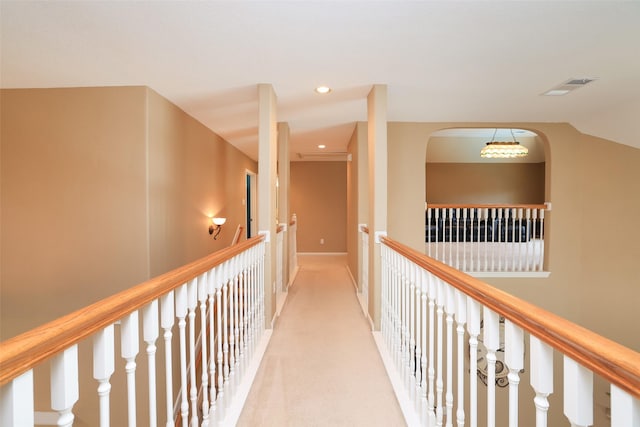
322,367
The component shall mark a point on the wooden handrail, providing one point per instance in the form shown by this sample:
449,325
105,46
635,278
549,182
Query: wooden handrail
23,352
614,362
485,206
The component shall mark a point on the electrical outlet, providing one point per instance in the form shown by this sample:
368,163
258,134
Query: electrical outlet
322,241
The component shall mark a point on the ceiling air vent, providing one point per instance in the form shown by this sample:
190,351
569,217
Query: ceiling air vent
579,82
326,157
568,86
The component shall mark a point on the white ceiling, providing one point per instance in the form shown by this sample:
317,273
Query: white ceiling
443,61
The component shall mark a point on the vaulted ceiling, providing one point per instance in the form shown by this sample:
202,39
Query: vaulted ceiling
442,61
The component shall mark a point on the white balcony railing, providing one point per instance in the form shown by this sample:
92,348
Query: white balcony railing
431,312
487,238
212,310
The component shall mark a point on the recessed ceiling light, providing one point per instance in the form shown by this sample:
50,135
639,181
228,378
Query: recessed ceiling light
322,146
323,89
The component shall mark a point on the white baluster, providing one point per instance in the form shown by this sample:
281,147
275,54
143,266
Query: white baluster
461,319
541,378
64,384
235,284
192,302
514,358
242,303
541,256
491,339
496,215
528,253
412,320
219,354
440,300
202,299
150,335
424,289
419,274
449,308
406,343
181,314
166,321
103,367
16,401
211,289
129,350
432,370
625,409
578,393
225,322
473,327
230,302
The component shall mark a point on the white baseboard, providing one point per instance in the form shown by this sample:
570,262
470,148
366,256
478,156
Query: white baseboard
233,411
407,407
321,253
292,276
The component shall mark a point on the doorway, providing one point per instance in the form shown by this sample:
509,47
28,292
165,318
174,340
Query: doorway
251,203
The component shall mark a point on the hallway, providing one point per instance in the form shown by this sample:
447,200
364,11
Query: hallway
322,367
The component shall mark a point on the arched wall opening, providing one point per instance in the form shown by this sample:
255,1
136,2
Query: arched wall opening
482,206
455,172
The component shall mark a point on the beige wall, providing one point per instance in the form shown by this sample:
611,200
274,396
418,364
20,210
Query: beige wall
319,199
73,200
353,234
593,185
193,175
485,183
103,188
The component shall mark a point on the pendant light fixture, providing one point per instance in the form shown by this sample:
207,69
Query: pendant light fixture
503,149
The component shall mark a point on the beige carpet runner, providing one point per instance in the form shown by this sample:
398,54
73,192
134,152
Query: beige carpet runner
322,367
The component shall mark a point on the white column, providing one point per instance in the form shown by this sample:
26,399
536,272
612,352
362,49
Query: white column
267,169
103,368
377,166
283,198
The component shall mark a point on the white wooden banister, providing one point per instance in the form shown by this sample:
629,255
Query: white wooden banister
487,238
496,323
177,297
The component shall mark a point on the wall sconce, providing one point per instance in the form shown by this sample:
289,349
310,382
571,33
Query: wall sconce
216,225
